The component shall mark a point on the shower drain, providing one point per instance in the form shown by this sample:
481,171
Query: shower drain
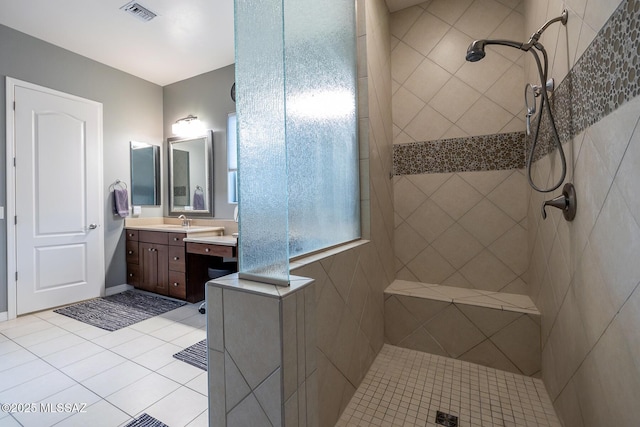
446,420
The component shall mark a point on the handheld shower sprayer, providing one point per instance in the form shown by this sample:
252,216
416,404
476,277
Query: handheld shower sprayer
476,51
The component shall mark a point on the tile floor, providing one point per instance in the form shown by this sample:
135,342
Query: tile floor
50,358
407,388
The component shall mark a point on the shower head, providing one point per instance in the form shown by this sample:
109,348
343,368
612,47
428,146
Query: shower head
476,52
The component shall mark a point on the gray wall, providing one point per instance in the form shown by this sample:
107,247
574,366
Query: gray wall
132,111
208,97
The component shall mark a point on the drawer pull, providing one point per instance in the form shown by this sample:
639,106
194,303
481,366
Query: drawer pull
175,258
175,239
206,249
130,274
131,234
176,284
130,252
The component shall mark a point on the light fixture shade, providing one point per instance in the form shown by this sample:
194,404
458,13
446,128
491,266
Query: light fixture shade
188,126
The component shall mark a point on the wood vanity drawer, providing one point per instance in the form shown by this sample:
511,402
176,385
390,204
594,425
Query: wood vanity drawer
132,252
157,237
177,285
133,274
176,239
176,258
212,250
132,234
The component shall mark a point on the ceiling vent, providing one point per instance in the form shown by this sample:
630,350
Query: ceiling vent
139,11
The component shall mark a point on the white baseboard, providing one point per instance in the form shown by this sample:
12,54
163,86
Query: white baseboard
116,289
4,316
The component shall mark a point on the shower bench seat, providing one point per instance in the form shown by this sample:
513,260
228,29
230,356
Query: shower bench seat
494,329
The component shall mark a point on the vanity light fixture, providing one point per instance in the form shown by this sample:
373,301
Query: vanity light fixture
188,126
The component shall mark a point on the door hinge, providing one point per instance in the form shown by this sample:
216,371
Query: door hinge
14,105
14,162
15,220
16,276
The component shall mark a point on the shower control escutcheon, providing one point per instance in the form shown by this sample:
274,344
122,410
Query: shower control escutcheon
565,202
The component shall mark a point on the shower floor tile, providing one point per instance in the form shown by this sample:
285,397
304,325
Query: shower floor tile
407,388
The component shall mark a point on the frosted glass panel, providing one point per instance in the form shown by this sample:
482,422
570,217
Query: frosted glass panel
320,68
297,144
262,157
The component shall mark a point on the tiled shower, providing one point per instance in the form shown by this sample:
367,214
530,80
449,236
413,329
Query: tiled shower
475,223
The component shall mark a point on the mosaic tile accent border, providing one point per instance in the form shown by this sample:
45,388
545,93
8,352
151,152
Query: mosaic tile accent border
606,76
476,153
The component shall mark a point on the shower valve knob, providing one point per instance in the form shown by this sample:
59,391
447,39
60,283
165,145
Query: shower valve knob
565,202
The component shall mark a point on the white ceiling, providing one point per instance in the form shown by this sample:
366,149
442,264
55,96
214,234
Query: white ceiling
187,38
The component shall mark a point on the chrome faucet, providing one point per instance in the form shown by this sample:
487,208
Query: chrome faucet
186,222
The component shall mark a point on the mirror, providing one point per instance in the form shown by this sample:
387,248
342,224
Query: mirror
145,174
191,175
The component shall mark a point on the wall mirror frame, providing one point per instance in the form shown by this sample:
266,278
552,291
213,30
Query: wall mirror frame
145,174
191,175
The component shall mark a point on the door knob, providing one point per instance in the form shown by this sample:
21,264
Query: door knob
93,226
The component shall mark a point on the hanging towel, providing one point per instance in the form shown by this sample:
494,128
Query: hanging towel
198,200
121,202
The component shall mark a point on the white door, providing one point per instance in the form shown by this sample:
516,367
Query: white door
58,198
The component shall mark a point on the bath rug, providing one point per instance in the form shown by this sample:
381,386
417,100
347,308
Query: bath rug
195,355
120,310
146,420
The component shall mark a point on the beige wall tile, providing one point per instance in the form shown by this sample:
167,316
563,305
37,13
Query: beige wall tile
251,324
269,395
449,10
399,322
486,222
454,332
247,413
489,321
487,354
447,52
426,33
427,71
520,342
454,99
421,340
428,124
482,18
457,246
487,272
456,197
430,221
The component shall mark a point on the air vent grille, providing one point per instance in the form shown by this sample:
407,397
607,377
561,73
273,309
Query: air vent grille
139,11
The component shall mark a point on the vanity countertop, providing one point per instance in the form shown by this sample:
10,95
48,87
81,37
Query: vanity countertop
175,228
213,240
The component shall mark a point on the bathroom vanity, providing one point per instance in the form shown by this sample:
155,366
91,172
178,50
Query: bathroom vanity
158,261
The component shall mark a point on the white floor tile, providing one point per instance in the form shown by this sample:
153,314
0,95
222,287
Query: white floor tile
190,338
150,325
191,405
100,414
36,325
55,359
138,346
158,357
93,365
137,397
118,337
73,354
91,332
201,421
200,383
17,357
38,388
17,322
170,333
9,422
179,371
23,373
181,313
76,397
62,342
116,378
40,337
8,346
